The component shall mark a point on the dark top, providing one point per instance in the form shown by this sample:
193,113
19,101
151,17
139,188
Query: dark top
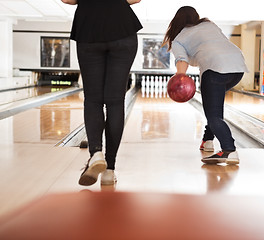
103,21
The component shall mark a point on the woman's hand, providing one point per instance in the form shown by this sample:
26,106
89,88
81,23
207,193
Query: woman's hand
71,2
133,1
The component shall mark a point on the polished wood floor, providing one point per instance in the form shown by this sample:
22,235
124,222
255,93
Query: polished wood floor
159,154
46,124
141,216
249,104
15,95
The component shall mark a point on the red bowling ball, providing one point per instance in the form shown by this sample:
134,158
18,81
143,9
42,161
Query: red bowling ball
181,88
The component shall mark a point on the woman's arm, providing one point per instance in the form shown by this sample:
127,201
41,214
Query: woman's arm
182,67
133,1
72,2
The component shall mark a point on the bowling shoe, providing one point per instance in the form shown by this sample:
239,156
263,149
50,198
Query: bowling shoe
95,165
108,177
207,146
222,157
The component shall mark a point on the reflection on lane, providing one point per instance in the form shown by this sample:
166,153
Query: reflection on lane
25,93
253,106
46,124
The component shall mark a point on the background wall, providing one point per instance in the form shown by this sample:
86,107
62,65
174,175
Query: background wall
6,56
27,50
27,35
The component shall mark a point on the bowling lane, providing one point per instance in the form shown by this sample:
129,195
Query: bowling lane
26,93
46,124
27,142
159,152
249,104
163,120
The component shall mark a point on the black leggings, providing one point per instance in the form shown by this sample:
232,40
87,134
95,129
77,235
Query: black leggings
105,68
214,86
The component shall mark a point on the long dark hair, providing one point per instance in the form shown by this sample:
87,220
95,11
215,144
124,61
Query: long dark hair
186,16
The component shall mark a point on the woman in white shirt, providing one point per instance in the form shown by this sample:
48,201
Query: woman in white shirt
199,42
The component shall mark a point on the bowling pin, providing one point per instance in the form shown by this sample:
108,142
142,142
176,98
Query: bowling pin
152,82
147,91
152,86
197,83
160,82
168,79
156,92
164,87
156,86
156,82
147,81
160,86
143,82
164,82
147,86
143,89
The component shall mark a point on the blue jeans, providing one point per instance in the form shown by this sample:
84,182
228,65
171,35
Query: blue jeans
213,88
105,68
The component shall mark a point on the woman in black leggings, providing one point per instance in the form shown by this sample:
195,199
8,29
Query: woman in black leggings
106,36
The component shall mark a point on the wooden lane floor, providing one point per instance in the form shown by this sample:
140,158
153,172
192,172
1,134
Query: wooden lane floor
249,104
47,124
29,162
169,134
14,95
159,152
28,98
163,190
141,216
